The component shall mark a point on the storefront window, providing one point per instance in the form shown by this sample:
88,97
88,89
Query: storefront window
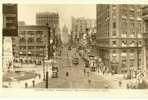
30,40
22,40
123,43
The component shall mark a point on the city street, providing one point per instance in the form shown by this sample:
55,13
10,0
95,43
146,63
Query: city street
76,78
73,48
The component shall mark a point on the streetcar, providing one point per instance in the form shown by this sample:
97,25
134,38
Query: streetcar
52,67
55,72
93,63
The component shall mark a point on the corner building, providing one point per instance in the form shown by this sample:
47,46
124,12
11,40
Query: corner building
119,36
30,46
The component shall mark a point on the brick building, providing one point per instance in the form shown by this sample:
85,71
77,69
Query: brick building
31,44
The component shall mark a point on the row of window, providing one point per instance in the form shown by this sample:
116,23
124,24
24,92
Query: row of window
31,47
124,51
32,54
47,16
125,25
124,59
50,22
31,40
125,35
130,8
125,43
31,33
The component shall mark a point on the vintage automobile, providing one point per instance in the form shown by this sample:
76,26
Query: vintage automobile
93,63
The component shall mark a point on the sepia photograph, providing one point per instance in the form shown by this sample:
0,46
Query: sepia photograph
75,46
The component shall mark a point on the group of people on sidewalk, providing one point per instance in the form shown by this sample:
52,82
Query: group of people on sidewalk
34,81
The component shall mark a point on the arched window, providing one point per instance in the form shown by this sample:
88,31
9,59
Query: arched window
22,40
123,43
38,40
132,43
30,40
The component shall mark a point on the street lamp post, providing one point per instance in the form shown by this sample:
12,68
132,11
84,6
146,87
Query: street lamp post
43,65
29,54
49,41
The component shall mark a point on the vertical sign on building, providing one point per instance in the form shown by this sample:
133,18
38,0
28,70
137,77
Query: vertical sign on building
10,20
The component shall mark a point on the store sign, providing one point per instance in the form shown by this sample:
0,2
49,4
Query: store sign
10,20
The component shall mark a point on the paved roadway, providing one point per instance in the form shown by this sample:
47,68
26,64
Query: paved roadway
76,78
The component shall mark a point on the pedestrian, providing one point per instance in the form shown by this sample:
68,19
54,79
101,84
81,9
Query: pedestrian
39,76
26,85
67,74
88,74
103,72
89,81
120,83
84,71
33,83
127,86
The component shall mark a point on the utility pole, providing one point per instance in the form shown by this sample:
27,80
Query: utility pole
49,54
46,79
43,65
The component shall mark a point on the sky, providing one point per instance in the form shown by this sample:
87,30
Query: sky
27,12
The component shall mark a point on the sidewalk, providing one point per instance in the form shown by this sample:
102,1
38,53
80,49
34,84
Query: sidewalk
21,84
114,80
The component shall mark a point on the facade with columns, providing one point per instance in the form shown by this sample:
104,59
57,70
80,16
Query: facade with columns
119,36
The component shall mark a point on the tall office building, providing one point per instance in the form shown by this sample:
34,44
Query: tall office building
119,36
52,20
79,26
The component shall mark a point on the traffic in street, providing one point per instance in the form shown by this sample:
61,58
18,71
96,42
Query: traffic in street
73,74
